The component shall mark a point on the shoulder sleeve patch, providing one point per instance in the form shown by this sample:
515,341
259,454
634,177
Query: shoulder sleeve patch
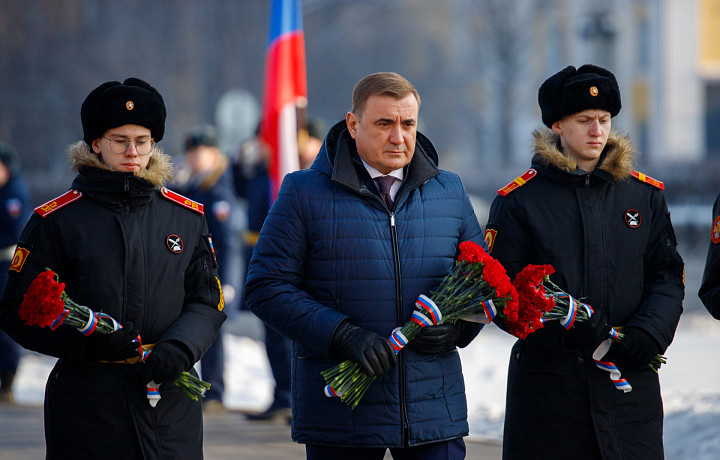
647,179
57,203
518,182
181,200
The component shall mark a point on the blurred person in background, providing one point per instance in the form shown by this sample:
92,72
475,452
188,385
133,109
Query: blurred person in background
250,172
15,209
606,231
125,245
209,182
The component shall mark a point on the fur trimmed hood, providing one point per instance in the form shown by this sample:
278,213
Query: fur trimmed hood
617,159
158,172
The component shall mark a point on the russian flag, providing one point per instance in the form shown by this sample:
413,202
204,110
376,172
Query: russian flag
285,90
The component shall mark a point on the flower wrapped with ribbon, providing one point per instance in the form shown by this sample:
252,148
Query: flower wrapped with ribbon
476,289
46,304
538,294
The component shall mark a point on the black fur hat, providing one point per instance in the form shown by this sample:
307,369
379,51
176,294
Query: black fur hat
113,104
574,90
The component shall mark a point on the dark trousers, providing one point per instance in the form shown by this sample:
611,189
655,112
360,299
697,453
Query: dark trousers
444,450
279,352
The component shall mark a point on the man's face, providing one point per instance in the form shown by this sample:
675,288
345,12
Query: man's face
130,161
385,131
202,158
584,135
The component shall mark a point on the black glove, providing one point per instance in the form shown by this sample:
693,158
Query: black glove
588,334
373,353
115,346
635,350
432,340
166,362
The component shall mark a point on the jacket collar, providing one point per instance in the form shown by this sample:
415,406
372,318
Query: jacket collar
616,160
96,180
159,170
338,159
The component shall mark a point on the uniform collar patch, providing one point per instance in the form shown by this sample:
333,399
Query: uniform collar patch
174,243
633,219
715,232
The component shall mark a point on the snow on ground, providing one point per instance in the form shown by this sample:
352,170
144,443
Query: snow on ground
690,383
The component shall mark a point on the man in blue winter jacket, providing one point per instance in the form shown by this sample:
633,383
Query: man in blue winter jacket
338,265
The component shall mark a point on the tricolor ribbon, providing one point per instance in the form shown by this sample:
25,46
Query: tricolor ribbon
60,319
152,388
569,320
91,324
608,366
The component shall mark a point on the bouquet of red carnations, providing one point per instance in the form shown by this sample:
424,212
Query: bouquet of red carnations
47,304
477,289
542,300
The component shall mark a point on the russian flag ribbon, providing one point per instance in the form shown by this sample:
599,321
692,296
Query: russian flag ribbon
569,320
398,340
608,366
425,303
490,310
91,324
60,319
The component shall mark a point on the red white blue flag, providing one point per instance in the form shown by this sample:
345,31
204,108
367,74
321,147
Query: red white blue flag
285,90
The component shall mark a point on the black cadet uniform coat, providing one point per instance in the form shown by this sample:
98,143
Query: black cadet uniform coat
710,288
611,242
112,248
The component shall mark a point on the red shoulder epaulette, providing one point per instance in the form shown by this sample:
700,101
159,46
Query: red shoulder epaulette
57,203
647,179
517,182
181,200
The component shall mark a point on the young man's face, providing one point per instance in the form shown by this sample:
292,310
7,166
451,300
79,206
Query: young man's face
385,131
130,160
584,135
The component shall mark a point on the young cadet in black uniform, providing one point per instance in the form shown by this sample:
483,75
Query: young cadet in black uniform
606,230
128,247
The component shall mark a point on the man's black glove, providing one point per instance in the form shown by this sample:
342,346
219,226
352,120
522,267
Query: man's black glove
588,334
373,353
432,340
635,350
115,346
166,362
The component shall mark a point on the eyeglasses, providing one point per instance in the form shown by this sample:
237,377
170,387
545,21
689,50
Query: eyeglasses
120,145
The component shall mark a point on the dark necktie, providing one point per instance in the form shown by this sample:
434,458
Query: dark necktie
384,183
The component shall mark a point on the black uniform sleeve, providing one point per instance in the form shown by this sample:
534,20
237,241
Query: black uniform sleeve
202,315
41,249
661,306
709,292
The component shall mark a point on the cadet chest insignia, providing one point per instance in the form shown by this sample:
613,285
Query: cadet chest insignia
181,200
19,258
517,182
633,219
57,203
174,243
490,235
715,232
647,179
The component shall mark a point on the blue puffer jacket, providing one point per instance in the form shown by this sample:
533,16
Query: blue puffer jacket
330,249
